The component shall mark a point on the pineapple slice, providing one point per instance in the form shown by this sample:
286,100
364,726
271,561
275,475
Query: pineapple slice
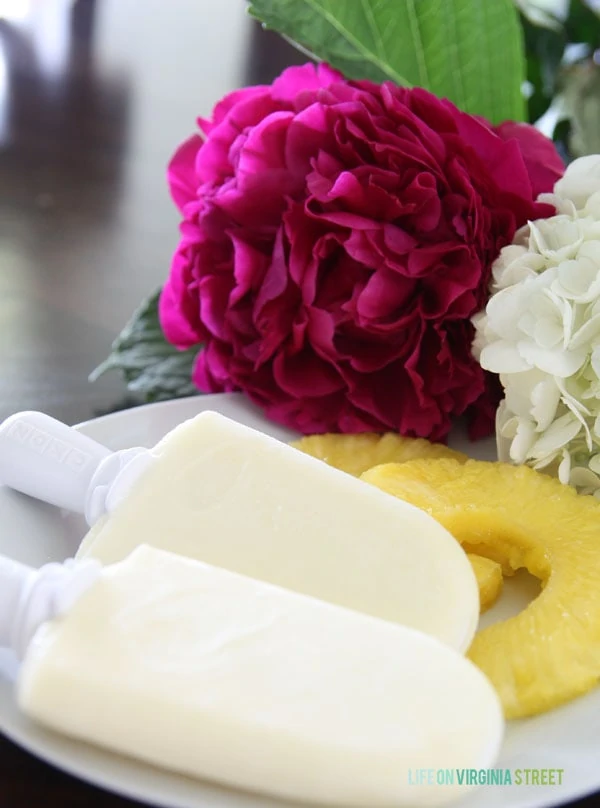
355,454
550,652
489,580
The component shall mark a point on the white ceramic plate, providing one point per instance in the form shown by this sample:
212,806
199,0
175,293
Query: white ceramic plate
567,738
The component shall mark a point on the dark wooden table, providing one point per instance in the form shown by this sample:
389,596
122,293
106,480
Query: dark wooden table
94,97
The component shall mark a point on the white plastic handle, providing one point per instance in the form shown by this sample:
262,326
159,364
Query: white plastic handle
29,597
48,460
14,579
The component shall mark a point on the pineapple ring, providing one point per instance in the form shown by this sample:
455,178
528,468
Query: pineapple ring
489,580
549,653
355,454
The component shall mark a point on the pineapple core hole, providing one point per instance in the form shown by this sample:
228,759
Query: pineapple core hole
517,592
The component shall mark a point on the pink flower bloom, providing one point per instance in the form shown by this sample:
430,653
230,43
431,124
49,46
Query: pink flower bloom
337,237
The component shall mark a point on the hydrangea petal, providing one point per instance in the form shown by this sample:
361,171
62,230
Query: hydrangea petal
585,479
554,361
545,398
501,357
558,435
524,439
564,468
580,180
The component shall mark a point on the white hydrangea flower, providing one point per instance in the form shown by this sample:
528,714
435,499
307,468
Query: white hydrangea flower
580,181
540,332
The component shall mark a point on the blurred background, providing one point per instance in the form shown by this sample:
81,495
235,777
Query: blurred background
95,95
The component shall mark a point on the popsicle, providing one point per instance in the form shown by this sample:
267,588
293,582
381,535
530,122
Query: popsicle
223,493
218,676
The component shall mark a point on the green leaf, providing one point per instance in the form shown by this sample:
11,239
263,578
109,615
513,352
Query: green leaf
150,365
470,51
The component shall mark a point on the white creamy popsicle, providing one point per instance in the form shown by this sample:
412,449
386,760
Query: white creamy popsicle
226,494
231,496
211,674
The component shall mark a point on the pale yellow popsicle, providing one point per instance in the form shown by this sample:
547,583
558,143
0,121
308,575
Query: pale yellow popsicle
233,497
204,672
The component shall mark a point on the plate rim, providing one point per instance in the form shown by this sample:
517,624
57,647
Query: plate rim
34,742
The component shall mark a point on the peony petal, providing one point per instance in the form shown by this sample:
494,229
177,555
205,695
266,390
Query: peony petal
351,221
305,373
249,266
214,160
308,140
397,240
384,293
276,278
542,160
233,100
181,171
212,369
503,160
428,259
321,333
301,79
360,247
263,151
214,293
421,200
178,318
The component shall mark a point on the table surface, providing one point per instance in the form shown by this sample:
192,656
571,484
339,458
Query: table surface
94,97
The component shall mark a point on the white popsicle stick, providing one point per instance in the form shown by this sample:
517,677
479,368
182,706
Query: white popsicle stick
29,597
48,460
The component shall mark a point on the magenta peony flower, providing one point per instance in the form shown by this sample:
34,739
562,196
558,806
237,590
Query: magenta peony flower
337,238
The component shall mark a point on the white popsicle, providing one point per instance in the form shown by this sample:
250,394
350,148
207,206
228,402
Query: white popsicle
214,675
233,497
